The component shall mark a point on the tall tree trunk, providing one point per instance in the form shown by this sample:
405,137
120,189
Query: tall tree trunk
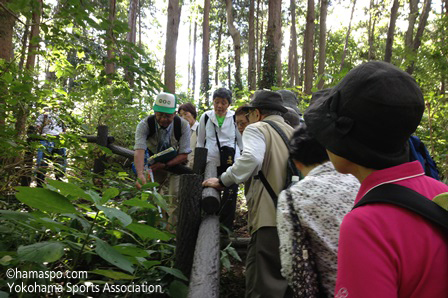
293,69
413,14
278,41
6,50
322,42
391,31
348,36
23,111
193,64
271,51
205,83
229,65
302,64
260,30
189,55
251,72
371,30
309,47
218,52
418,35
172,32
110,66
236,37
131,36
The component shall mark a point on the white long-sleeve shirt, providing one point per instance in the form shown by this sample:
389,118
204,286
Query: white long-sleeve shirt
227,135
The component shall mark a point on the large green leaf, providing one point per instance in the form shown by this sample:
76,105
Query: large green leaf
147,232
109,194
175,272
67,189
109,254
113,274
44,200
139,203
41,252
131,250
112,213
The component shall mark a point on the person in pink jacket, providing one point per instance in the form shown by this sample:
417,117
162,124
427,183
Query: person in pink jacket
364,123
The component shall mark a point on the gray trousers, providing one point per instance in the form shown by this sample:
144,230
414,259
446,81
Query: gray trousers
263,277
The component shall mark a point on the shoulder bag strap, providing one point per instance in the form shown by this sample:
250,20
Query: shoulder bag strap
408,199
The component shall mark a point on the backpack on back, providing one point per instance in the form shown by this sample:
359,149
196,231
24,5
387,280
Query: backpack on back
291,170
418,151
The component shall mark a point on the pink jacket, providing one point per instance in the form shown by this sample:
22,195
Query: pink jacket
387,251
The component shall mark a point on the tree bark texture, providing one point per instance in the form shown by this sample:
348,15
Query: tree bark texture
7,21
236,37
293,62
131,36
110,66
309,47
252,71
419,34
391,31
373,12
172,32
190,191
259,42
322,43
205,83
344,54
210,196
272,43
204,279
413,14
193,64
218,52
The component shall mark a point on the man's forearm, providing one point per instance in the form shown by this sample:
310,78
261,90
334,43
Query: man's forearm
180,158
139,160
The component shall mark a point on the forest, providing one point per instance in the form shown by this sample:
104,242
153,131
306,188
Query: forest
101,62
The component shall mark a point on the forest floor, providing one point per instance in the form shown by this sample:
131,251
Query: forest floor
233,280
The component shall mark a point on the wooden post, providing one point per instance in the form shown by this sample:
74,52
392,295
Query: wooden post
210,196
204,281
200,160
190,190
98,166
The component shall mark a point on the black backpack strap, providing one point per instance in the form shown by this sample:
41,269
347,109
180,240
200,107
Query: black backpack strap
151,126
408,199
177,128
268,187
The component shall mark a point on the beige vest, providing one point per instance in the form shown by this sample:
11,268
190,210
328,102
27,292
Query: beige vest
262,212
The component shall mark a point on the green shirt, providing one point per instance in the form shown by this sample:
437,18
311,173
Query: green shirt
220,120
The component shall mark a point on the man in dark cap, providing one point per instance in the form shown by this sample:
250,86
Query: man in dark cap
264,151
385,250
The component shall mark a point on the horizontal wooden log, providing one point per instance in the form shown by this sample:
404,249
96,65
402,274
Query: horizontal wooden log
210,196
94,139
125,152
204,281
236,242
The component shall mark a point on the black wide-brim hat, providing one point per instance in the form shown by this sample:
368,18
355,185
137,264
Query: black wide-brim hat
268,100
369,116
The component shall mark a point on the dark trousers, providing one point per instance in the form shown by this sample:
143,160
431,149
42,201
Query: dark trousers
263,277
228,206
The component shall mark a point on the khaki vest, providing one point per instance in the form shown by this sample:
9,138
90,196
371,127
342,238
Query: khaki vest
262,212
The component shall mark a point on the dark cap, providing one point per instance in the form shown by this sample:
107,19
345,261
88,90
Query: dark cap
369,116
264,99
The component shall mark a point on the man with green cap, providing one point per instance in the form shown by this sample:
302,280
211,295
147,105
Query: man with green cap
157,133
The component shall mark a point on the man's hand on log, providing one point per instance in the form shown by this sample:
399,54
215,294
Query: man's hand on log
213,182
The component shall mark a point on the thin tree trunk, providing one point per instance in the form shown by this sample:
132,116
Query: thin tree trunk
110,66
391,31
172,32
292,57
419,34
139,24
413,14
218,52
26,33
278,41
322,42
270,78
251,72
309,48
348,35
131,36
371,30
236,37
189,55
205,83
193,64
260,41
302,64
229,72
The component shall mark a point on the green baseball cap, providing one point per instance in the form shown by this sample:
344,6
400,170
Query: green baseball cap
165,103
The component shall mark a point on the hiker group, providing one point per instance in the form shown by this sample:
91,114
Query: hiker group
338,202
